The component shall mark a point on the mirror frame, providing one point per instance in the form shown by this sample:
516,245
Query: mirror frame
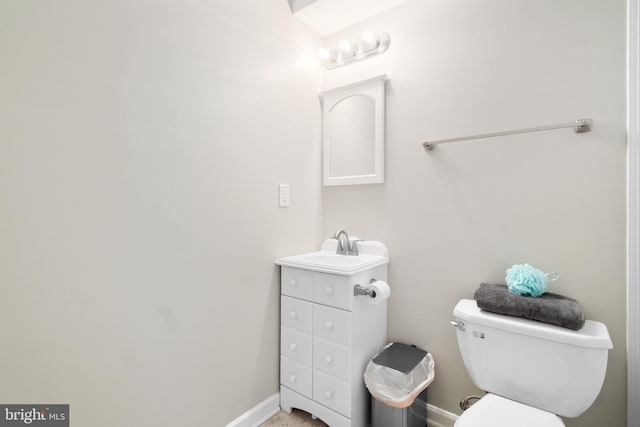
375,89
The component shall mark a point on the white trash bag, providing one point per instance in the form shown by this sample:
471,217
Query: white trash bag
395,388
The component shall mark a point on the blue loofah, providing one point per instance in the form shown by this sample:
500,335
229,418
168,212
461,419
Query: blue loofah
525,279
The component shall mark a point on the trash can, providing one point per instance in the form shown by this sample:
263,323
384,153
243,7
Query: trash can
397,379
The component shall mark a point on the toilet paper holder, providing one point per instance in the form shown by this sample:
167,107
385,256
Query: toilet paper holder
361,290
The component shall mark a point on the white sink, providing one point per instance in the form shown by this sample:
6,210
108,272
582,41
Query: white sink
371,254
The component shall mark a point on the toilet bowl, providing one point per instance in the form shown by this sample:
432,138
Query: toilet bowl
533,372
495,411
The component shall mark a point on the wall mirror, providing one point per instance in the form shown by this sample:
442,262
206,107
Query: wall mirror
353,133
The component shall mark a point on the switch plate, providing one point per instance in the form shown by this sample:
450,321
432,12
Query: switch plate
284,195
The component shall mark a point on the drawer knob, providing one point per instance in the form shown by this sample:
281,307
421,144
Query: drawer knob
328,394
293,314
293,282
328,324
329,359
293,346
328,290
292,377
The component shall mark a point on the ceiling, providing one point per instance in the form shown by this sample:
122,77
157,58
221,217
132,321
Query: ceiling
328,16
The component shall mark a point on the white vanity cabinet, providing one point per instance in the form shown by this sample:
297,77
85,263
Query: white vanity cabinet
328,335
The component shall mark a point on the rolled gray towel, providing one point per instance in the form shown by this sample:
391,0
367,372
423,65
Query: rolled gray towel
549,308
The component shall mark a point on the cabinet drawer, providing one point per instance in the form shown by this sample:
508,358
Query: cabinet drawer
331,358
332,290
296,376
295,313
295,345
332,323
332,392
296,283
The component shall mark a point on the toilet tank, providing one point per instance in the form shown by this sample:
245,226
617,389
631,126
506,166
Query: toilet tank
545,366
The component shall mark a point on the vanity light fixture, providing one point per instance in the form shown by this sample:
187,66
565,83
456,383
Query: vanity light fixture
367,46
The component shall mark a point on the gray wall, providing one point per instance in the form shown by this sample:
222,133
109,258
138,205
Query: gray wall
141,148
141,144
466,212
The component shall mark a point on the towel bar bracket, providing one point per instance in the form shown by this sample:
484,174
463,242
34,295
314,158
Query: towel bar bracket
582,125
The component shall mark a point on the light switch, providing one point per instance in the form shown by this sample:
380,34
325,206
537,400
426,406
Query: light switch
284,195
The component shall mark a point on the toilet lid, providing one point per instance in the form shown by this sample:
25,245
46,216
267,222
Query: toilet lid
496,411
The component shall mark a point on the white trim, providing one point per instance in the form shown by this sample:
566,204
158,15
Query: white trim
437,417
258,414
354,85
633,213
266,409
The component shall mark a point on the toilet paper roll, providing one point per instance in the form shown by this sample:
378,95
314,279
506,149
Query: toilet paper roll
381,289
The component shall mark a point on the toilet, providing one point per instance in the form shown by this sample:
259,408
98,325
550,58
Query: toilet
533,372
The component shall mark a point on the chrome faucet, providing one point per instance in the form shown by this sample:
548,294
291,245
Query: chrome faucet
343,242
345,246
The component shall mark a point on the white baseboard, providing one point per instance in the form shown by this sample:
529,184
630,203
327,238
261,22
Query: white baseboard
266,409
437,417
259,413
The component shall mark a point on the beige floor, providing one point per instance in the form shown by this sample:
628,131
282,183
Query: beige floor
297,418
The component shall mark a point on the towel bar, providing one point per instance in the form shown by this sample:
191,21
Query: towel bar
579,126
